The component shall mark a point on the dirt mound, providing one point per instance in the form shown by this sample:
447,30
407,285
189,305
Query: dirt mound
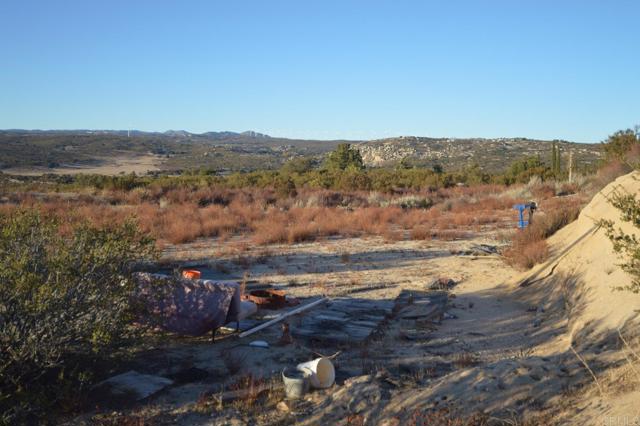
575,298
583,272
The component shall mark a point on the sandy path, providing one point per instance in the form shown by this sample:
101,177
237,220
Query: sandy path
490,323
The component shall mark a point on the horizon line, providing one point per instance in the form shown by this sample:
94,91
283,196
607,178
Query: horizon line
267,135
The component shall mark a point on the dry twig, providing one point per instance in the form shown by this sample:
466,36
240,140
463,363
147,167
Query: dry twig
588,369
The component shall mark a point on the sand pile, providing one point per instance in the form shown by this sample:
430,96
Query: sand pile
583,271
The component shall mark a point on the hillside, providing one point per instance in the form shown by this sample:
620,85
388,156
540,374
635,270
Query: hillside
44,151
491,154
29,152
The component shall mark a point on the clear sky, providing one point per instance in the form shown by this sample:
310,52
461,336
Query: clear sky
324,69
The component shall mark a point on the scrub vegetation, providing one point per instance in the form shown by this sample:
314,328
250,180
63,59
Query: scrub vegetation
64,308
68,244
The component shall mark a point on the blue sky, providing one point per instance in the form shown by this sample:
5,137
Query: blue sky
325,69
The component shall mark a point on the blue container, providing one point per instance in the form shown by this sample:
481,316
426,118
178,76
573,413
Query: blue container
521,209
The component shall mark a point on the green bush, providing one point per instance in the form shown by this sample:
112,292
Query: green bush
626,245
64,302
344,157
618,145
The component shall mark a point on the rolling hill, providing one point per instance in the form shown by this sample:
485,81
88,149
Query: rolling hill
41,150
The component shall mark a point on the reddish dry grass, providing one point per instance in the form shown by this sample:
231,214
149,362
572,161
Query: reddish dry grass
525,256
181,215
610,172
528,246
543,191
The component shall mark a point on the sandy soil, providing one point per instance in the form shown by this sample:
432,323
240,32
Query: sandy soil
487,323
120,164
512,345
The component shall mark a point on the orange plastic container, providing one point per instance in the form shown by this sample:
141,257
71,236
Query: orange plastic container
191,274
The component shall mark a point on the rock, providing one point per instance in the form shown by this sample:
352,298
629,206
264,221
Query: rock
131,385
422,305
442,283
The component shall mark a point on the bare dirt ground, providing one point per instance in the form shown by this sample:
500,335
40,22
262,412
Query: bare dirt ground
512,348
402,368
118,164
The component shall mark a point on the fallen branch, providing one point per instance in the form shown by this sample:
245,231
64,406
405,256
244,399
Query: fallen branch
318,354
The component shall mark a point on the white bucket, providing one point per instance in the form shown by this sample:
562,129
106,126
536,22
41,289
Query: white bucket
296,382
322,372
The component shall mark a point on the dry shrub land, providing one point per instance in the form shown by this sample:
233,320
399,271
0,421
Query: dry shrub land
67,246
81,228
264,217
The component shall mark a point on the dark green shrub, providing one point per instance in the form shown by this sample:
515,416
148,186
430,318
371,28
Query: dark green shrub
344,157
64,302
626,245
285,187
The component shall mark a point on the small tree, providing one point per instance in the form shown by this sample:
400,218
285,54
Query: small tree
404,164
473,174
618,145
284,186
523,169
345,157
298,165
626,245
353,179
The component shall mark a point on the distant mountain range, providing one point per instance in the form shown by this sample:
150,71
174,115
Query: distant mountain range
170,133
232,151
